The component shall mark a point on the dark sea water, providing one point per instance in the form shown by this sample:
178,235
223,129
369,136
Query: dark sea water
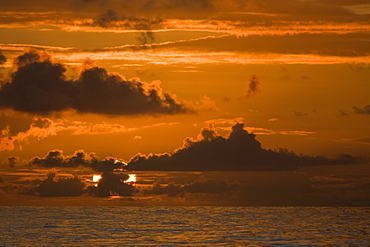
184,226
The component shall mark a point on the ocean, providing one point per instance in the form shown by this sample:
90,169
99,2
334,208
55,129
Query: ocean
184,226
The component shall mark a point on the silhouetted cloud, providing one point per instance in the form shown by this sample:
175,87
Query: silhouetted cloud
240,151
39,128
43,127
364,110
73,186
233,16
12,161
56,158
2,58
253,87
107,19
112,184
302,9
39,86
111,19
268,188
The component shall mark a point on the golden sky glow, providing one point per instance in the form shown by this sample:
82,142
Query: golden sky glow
295,72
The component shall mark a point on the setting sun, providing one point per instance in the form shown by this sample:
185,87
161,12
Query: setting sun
131,179
96,178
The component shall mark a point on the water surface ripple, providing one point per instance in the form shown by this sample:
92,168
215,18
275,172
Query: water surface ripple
185,226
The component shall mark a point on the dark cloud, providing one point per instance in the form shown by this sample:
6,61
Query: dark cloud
262,9
56,158
105,93
39,86
111,182
111,19
364,110
253,87
107,19
12,161
240,151
146,38
63,187
2,58
269,188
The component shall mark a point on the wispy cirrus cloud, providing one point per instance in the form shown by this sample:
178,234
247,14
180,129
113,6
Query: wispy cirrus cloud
42,127
361,141
22,47
167,57
225,125
195,57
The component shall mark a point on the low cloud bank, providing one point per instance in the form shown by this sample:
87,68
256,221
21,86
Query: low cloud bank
63,187
240,151
55,158
110,184
39,86
206,186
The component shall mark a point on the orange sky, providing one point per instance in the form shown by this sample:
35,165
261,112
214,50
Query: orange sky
296,73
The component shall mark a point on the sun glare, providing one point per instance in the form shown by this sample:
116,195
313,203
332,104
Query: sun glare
96,178
131,179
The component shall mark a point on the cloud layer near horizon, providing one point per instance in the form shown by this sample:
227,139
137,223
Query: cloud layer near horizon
39,86
56,158
240,151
